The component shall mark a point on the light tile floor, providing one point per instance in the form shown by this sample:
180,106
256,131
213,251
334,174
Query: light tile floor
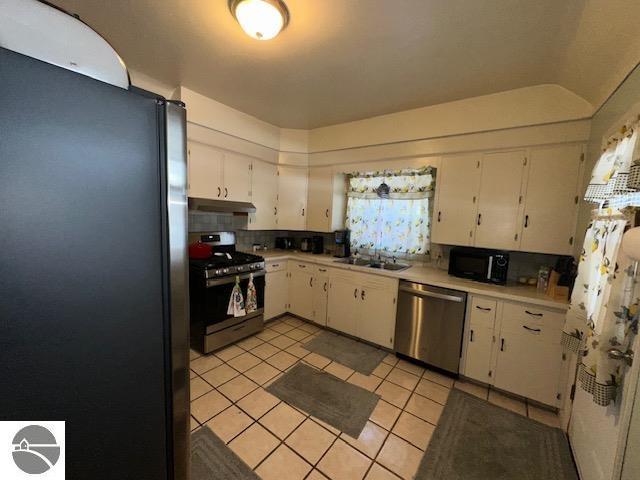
283,443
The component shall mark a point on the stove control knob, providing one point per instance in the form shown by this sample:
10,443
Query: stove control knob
225,270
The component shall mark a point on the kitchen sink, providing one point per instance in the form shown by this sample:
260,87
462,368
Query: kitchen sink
363,262
396,267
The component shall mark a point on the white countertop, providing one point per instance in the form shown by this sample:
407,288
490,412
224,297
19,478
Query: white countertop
431,276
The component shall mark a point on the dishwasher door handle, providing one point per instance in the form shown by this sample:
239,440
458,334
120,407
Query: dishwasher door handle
426,293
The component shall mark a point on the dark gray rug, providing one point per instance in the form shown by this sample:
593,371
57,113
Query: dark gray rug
356,355
477,440
342,405
211,459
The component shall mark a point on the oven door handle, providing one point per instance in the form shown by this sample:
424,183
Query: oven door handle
214,282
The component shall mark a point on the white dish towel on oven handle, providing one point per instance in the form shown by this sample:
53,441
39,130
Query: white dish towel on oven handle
252,296
236,302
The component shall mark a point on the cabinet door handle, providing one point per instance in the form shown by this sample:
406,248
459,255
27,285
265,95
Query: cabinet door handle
275,265
311,282
275,210
303,212
526,221
324,287
326,213
302,266
226,192
439,215
219,192
471,335
322,269
502,344
362,294
355,293
534,314
479,218
531,329
487,309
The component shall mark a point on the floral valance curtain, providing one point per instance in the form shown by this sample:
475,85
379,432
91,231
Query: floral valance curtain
615,180
397,224
604,302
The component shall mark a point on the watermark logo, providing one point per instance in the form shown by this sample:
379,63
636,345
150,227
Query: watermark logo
32,450
35,449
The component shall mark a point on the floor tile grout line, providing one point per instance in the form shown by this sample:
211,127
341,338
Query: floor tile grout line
339,436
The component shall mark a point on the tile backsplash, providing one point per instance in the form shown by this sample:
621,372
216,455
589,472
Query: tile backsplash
245,239
520,263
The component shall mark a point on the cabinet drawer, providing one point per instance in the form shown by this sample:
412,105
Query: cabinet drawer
379,282
275,265
483,312
322,271
301,266
535,321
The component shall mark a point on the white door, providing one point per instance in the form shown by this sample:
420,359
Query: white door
497,222
599,435
551,200
292,198
343,306
237,177
320,296
478,353
301,293
205,171
276,295
458,184
319,199
264,196
377,318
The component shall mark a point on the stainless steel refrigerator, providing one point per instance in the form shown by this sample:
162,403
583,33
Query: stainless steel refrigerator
93,280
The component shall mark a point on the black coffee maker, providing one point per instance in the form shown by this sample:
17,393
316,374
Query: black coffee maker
343,241
317,244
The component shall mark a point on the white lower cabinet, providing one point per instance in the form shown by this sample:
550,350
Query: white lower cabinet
479,348
276,295
343,304
514,347
363,305
320,296
528,366
301,289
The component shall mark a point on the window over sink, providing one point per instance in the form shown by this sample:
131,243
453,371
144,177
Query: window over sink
388,211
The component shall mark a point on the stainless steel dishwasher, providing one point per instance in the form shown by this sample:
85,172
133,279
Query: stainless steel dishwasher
429,324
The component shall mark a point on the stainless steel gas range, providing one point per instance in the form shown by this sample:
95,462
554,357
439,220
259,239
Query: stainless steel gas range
211,282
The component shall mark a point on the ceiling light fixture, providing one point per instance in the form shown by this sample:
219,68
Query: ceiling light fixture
260,19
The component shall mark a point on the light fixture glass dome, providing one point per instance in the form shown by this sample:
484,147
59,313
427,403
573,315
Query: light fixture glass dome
260,19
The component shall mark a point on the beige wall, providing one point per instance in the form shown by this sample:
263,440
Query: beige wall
515,108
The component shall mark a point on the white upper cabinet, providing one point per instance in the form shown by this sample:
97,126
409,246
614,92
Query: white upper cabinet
292,198
236,177
499,201
205,164
218,175
458,182
551,200
264,196
326,200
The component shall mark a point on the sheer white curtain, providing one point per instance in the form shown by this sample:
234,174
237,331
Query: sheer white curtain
398,224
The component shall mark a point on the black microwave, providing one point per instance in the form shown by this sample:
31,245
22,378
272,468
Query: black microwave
479,264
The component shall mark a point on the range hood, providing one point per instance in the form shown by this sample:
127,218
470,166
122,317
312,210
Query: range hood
220,206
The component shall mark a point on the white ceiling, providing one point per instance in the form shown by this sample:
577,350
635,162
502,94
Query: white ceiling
343,60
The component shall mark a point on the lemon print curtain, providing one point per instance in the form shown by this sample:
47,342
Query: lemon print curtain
398,224
603,309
